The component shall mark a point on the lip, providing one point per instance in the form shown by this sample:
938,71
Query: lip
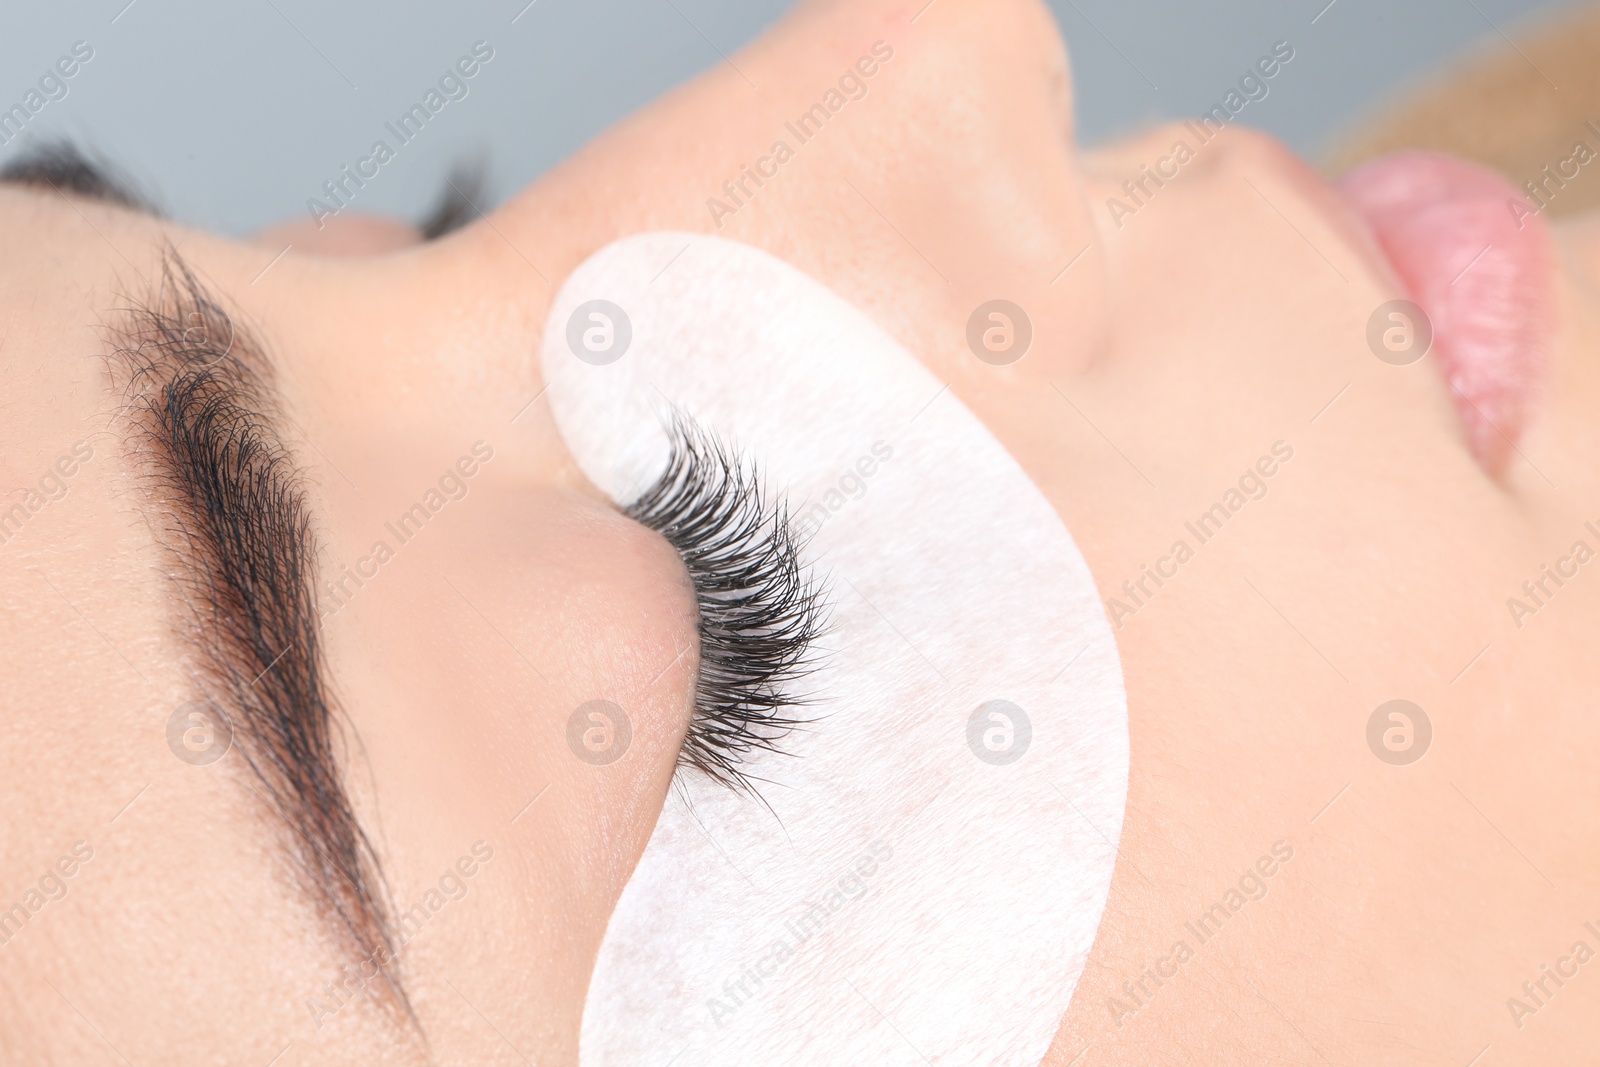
1468,249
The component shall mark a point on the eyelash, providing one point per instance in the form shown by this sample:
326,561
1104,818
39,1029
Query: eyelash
759,611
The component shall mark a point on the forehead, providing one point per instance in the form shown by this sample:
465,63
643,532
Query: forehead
65,265
55,291
82,616
78,566
64,269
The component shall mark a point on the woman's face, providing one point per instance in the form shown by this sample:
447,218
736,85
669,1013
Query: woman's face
1204,344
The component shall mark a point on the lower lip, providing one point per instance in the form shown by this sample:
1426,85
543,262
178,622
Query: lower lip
1476,259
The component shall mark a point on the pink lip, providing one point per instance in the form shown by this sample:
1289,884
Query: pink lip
1477,261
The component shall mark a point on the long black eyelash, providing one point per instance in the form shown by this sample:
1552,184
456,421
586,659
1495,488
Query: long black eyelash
759,611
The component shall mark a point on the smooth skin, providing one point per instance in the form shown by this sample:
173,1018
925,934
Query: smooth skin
1171,355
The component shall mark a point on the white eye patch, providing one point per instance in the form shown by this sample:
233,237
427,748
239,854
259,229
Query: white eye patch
928,882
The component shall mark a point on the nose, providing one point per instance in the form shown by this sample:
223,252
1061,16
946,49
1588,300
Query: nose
984,181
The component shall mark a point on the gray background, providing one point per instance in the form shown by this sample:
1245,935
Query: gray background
234,114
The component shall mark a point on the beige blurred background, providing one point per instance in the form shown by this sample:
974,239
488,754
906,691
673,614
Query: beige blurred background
1529,107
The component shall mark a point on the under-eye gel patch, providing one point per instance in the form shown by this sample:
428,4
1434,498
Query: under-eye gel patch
923,874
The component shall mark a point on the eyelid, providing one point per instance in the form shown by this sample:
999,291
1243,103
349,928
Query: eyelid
759,611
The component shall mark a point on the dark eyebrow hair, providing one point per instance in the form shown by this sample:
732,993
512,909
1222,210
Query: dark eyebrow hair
65,168
458,203
233,514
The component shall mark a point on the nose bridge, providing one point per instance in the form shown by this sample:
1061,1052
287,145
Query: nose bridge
1011,42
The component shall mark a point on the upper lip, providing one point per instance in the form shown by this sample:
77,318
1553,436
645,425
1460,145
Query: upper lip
1337,211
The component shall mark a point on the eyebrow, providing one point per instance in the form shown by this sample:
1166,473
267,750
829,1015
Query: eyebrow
65,168
200,419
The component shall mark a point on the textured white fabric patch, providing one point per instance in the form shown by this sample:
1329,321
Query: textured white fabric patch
930,878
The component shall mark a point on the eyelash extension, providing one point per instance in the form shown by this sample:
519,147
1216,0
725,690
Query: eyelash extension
759,611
